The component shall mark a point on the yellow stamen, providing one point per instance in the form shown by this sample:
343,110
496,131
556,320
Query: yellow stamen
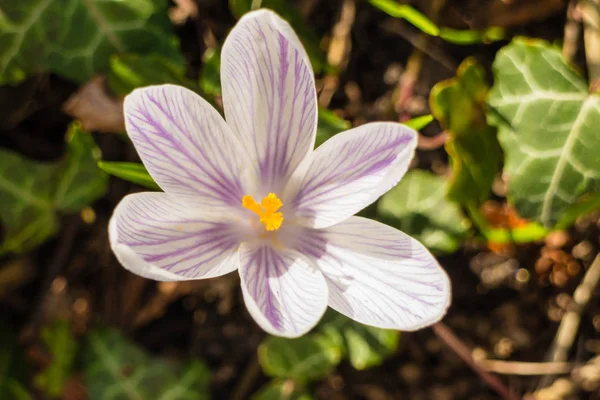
266,210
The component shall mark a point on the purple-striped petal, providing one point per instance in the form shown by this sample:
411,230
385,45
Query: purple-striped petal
350,171
284,294
378,275
186,145
158,237
269,95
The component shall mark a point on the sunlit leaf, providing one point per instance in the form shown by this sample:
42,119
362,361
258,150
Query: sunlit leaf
419,207
303,359
62,348
210,78
364,346
287,10
281,390
548,128
420,122
130,71
75,38
13,372
114,366
31,192
129,171
458,104
426,25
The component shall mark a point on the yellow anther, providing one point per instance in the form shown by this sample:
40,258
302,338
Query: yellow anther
266,210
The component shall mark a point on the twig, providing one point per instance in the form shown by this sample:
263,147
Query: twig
526,368
569,325
572,32
462,350
65,244
248,378
590,14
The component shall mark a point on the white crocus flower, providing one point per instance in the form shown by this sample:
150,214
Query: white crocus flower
248,193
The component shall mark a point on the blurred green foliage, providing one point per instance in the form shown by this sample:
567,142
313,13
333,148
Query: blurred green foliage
75,38
32,192
13,369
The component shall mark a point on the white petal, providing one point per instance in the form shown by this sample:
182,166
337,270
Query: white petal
284,294
378,275
158,237
350,171
269,95
186,145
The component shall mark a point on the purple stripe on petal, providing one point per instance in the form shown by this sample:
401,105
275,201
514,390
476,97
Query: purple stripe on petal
284,293
350,171
378,275
156,236
186,146
269,95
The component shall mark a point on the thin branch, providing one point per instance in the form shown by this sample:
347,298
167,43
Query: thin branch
526,368
464,352
590,14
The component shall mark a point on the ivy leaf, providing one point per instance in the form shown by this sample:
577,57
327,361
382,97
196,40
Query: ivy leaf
281,390
13,374
131,71
364,346
31,192
62,347
458,104
309,38
303,359
548,128
129,171
74,38
419,207
114,365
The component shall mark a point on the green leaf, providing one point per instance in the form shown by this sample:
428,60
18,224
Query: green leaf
129,171
281,390
420,21
418,206
31,192
364,346
13,373
458,104
210,78
548,128
287,11
62,347
587,204
131,71
329,125
303,359
117,369
420,122
75,38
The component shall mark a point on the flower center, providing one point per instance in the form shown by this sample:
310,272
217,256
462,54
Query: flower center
266,210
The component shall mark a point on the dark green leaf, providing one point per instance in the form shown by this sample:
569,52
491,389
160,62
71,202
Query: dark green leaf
13,372
75,38
303,359
418,206
547,125
458,104
281,390
62,347
31,192
131,71
364,346
114,365
129,171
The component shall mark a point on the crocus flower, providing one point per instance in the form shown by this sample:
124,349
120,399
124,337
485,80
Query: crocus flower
248,193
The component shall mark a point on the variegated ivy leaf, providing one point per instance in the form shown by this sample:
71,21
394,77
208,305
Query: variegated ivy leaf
548,127
74,38
32,193
117,369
